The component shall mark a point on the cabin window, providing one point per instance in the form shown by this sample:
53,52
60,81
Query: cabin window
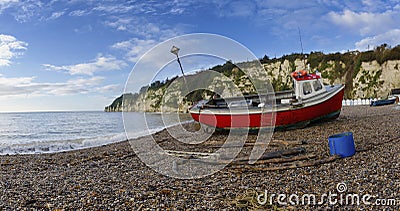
317,85
307,88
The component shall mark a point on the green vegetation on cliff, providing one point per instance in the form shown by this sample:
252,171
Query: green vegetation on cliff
366,74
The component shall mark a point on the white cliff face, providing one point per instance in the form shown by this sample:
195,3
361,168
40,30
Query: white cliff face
390,76
369,79
375,80
372,79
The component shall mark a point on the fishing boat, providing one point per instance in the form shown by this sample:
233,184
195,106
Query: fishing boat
308,102
389,101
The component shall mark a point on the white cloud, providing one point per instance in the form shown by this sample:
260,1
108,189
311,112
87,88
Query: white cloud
370,3
10,48
34,10
123,16
101,63
4,4
391,37
116,8
376,5
121,24
71,87
26,86
141,27
366,23
176,11
117,88
26,10
79,13
136,8
237,8
134,48
16,86
147,36
13,81
56,15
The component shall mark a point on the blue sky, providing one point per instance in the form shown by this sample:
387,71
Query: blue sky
77,54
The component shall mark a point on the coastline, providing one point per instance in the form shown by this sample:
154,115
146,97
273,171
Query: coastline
113,177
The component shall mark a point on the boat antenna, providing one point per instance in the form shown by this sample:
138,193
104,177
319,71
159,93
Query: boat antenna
301,45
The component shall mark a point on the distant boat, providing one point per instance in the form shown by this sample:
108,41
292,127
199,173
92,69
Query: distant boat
396,93
310,101
390,100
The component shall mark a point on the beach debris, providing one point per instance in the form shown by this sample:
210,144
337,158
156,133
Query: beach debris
287,159
294,165
278,142
283,153
185,153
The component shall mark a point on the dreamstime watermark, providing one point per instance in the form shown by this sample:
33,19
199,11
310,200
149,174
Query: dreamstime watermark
196,51
339,197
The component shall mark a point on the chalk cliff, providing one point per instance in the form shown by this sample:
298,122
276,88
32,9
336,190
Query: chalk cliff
365,74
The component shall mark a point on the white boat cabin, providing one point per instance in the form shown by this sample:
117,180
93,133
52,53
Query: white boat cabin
308,86
305,86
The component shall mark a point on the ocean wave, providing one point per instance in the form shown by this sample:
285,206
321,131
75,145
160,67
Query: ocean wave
74,144
60,145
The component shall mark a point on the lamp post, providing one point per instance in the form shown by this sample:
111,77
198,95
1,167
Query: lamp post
175,50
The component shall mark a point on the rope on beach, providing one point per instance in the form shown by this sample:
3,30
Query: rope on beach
293,165
372,145
249,199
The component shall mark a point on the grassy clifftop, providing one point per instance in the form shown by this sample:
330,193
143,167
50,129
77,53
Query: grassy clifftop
365,74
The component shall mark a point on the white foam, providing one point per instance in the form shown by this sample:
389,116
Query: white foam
60,146
82,143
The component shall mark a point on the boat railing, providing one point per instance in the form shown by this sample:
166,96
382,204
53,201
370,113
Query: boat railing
241,103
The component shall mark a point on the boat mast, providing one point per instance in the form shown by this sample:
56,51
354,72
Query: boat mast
301,45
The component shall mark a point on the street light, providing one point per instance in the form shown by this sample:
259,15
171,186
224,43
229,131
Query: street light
175,50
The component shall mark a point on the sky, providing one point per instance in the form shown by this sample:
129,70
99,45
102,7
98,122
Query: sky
74,55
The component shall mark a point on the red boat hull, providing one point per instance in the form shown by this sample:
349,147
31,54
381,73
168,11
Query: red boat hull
330,108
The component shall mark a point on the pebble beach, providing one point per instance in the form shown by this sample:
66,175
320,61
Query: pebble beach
112,177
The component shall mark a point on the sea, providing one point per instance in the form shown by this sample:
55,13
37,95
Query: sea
48,132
